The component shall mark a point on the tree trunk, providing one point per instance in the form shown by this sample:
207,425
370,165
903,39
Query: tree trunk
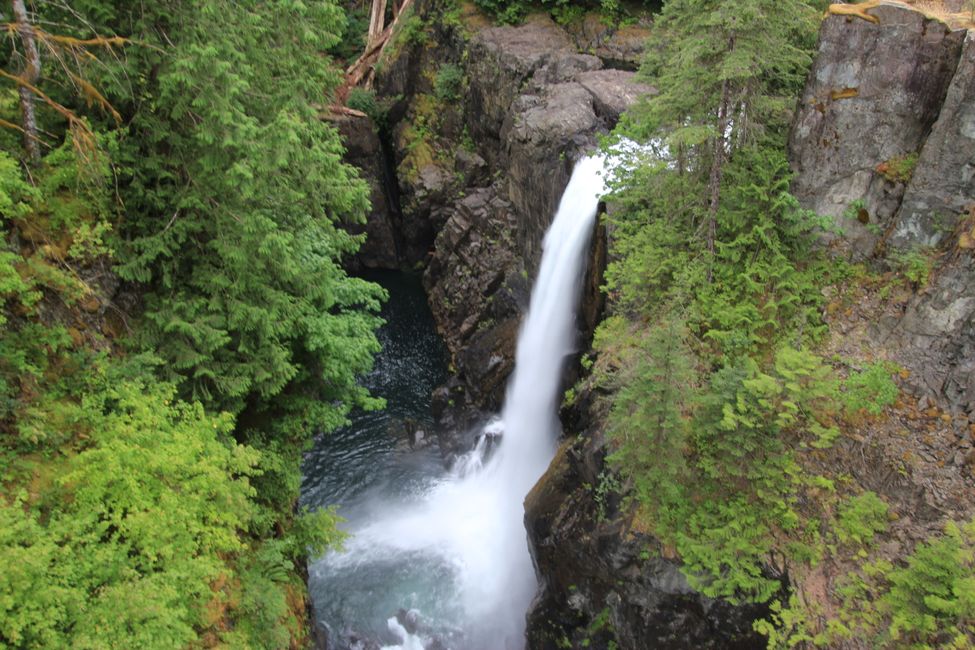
377,20
30,74
717,165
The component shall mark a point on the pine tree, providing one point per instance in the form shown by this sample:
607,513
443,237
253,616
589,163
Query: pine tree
237,193
647,423
726,73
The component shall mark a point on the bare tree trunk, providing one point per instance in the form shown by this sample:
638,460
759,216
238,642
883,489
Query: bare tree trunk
30,74
362,69
717,165
377,20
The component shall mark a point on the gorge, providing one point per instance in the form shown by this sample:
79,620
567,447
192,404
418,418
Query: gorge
464,531
320,326
532,102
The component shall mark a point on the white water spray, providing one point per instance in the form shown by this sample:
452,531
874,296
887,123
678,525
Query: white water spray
474,519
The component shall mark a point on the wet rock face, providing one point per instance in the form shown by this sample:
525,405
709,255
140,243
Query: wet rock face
537,132
364,151
871,98
595,568
471,287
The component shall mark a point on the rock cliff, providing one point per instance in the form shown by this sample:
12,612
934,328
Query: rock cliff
606,583
482,165
884,142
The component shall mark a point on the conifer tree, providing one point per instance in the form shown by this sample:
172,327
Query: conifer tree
726,73
237,191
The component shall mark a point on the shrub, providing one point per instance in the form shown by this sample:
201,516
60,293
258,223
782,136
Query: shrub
898,169
504,11
932,599
870,390
915,264
414,31
861,518
449,82
363,99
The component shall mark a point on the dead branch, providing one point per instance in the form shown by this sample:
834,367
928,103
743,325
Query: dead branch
362,69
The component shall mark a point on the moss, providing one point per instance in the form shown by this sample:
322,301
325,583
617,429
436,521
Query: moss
898,169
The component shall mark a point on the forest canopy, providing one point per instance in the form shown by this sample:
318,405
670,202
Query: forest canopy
176,319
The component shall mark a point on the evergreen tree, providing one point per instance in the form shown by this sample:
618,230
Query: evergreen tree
181,140
726,72
237,192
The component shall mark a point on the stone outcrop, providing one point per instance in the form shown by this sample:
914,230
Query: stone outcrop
884,142
943,185
472,290
363,149
935,337
501,60
605,581
872,96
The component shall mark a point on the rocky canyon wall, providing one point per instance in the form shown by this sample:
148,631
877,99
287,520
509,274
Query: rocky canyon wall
884,143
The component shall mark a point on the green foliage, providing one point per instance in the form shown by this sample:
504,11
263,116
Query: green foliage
861,518
125,542
786,626
510,12
148,492
364,99
928,602
871,390
353,42
449,82
766,276
703,51
915,264
413,31
931,602
646,423
241,245
715,391
723,550
899,169
506,12
63,216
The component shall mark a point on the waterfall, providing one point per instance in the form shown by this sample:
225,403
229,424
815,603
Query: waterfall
472,521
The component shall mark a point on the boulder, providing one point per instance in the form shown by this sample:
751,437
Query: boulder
613,91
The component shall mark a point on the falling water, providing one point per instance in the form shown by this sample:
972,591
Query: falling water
467,528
